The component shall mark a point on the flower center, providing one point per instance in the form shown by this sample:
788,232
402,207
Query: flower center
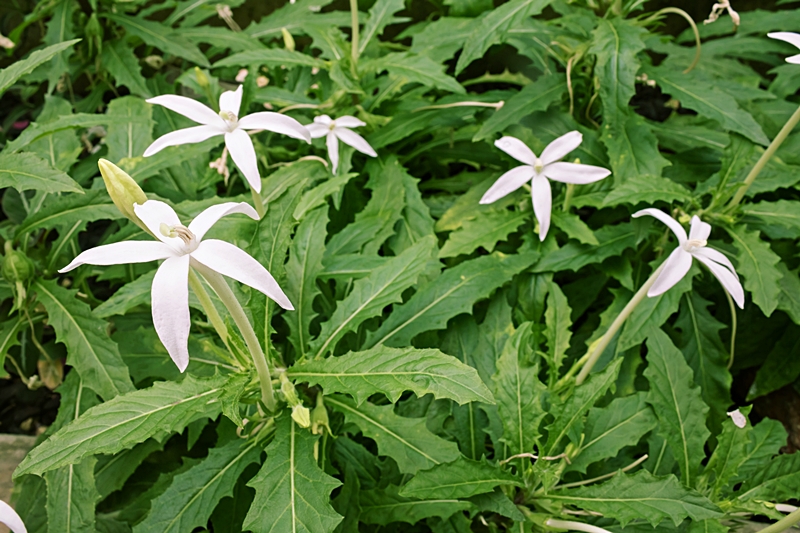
230,118
538,166
182,232
693,244
332,125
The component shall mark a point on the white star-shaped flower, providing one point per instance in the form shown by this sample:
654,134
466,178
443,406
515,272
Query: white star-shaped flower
10,518
538,170
338,130
180,246
227,123
680,260
791,38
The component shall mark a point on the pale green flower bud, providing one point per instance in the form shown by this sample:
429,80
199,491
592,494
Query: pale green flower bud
301,415
319,417
123,190
288,40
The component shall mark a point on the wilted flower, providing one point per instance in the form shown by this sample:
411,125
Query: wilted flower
180,246
338,130
537,170
10,518
791,38
226,123
680,260
738,418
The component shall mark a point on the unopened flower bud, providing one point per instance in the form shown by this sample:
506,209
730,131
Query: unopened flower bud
122,189
319,417
202,79
288,40
154,61
288,391
301,415
16,265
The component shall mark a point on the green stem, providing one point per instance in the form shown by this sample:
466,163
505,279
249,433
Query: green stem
784,523
354,24
602,343
733,328
259,203
568,197
227,297
208,306
765,157
690,20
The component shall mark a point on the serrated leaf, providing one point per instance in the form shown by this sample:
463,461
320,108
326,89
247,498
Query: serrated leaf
415,69
442,38
392,371
452,293
112,471
9,333
130,295
729,455
778,370
537,96
370,295
384,506
59,29
406,440
485,230
783,213
558,321
416,221
130,127
609,429
193,494
380,14
292,493
37,131
498,502
574,256
27,171
789,300
646,188
678,404
574,227
757,264
91,352
317,196
519,393
460,479
641,496
18,69
65,211
767,437
122,63
295,17
777,480
60,149
129,419
632,148
270,56
153,34
616,43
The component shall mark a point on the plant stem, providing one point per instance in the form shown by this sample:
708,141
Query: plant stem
690,20
259,203
784,523
601,345
208,306
227,297
765,157
631,466
354,24
733,328
568,197
574,526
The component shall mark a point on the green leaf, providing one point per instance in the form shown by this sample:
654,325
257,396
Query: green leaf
370,295
415,222
775,481
59,29
678,404
646,188
91,352
112,471
270,56
569,415
220,37
783,213
130,295
574,256
616,43
122,63
28,171
729,455
641,496
442,38
537,96
130,419
574,227
60,149
66,211
37,131
485,230
384,506
9,333
351,266
757,263
767,436
498,502
519,393
292,493
609,429
406,440
193,494
695,91
415,69
460,479
317,196
452,293
380,14
778,370
295,17
557,318
16,70
632,148
130,127
392,371
494,26
302,269
153,34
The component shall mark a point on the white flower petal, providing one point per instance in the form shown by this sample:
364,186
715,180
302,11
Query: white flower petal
542,198
154,213
516,149
349,122
244,155
231,101
729,282
333,151
717,257
675,267
795,60
355,140
673,224
789,37
508,183
189,108
317,130
203,222
170,297
276,122
235,263
10,518
121,253
561,147
699,230
738,418
575,173
192,135
323,119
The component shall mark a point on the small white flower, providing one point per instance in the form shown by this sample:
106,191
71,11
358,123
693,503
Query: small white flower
738,418
537,170
338,130
10,518
227,123
680,260
181,246
791,38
